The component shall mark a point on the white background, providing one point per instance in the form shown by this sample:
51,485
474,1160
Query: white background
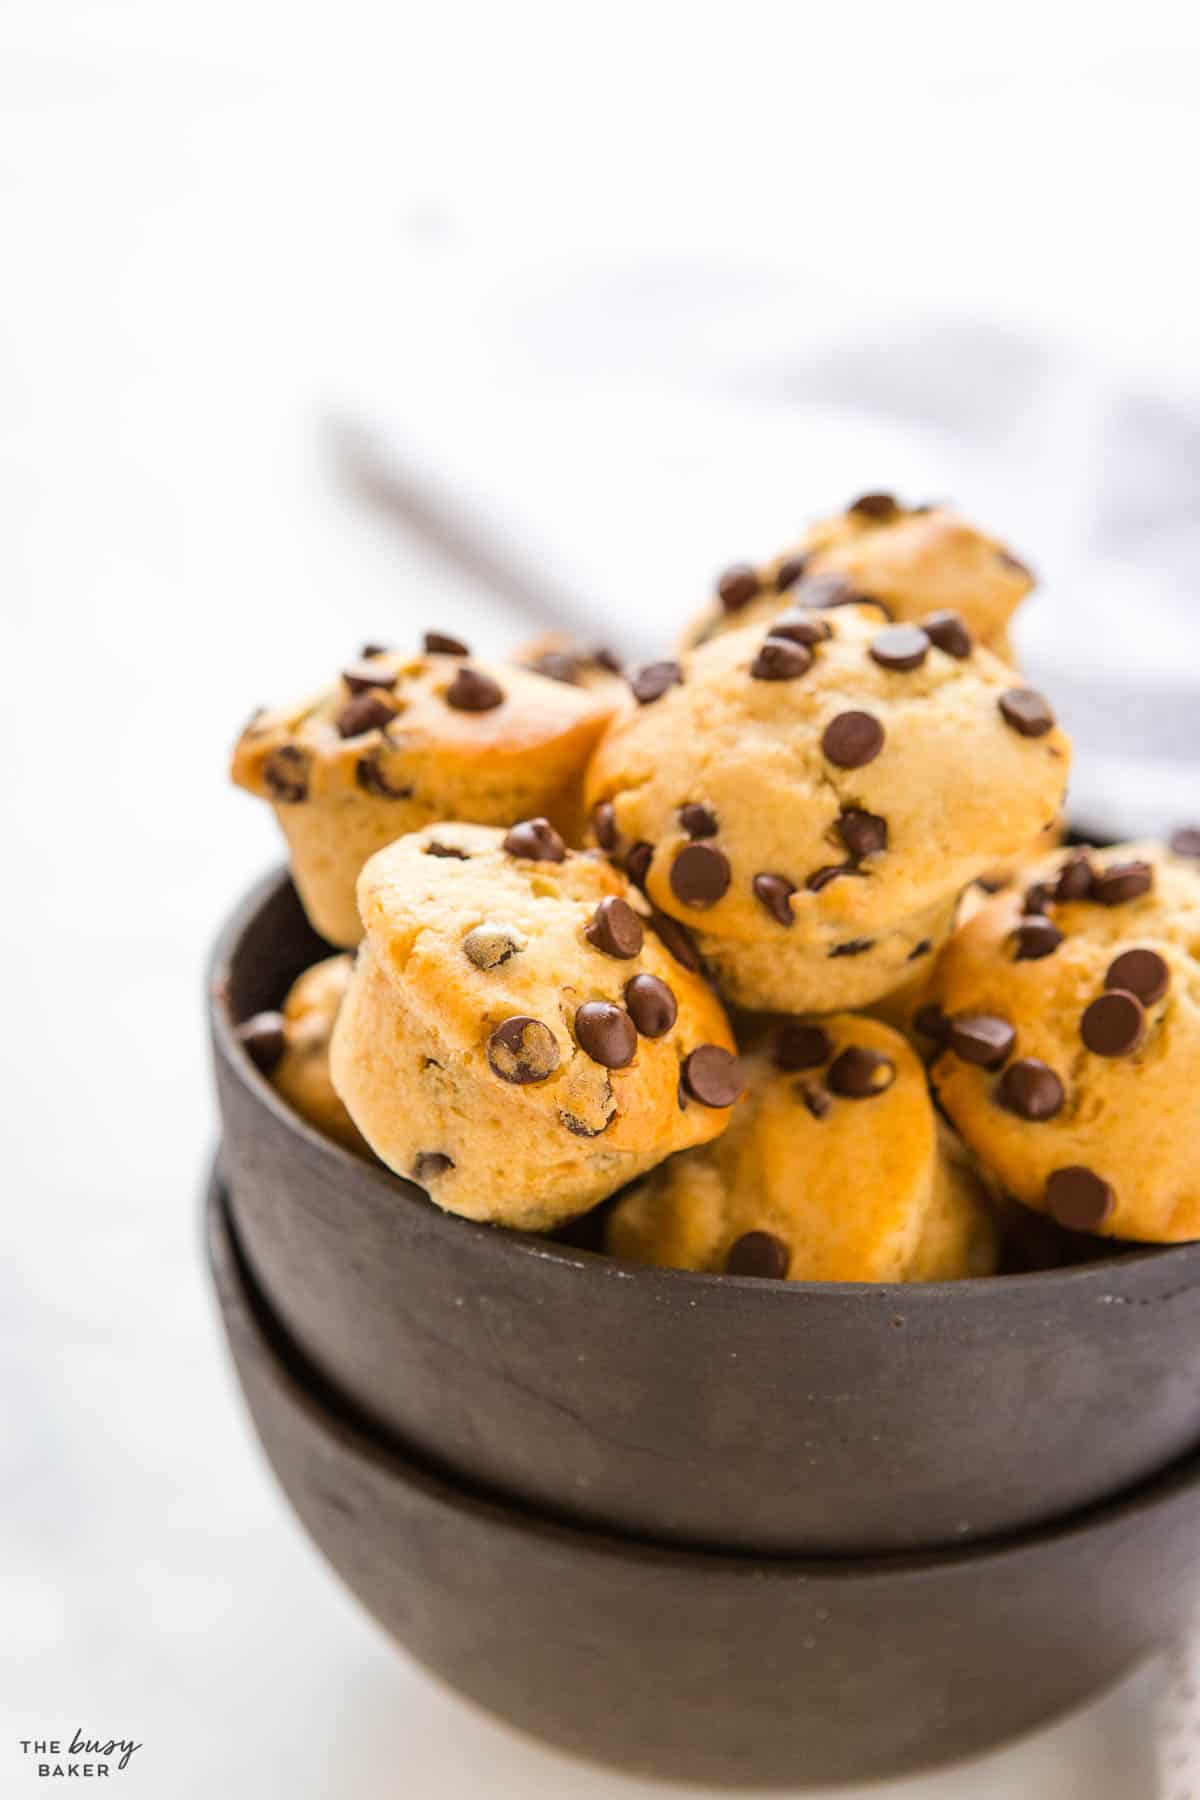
223,227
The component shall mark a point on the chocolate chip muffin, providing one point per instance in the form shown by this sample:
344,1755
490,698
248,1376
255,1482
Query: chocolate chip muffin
1066,1020
917,562
812,799
292,1048
562,658
1012,869
833,1169
517,1037
400,741
900,1006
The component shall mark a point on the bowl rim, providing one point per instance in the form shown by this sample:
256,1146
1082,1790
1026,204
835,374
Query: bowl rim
518,1246
302,1391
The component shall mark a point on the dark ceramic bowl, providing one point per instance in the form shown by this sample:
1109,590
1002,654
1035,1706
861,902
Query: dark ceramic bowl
722,1669
773,1416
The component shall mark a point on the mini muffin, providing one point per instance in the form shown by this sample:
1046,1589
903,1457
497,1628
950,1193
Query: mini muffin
400,741
812,801
1066,1018
899,1007
1012,869
517,1038
292,1048
914,561
563,659
833,1169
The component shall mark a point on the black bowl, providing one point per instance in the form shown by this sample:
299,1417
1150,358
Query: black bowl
722,1669
774,1416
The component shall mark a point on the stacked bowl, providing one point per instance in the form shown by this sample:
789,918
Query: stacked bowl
741,1531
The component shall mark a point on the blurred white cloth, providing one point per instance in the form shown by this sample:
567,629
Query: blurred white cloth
620,432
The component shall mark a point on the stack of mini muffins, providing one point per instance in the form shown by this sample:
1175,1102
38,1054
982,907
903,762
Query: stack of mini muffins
771,942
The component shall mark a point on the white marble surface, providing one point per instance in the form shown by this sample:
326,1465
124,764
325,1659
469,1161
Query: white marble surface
209,216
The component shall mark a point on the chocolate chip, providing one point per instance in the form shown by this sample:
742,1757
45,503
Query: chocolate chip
700,874
1076,877
676,939
774,892
370,776
1079,1199
860,1074
286,773
522,1050
1141,972
982,1039
615,928
789,572
863,833
821,878
637,862
828,591
557,665
1037,898
920,949
900,648
263,1040
1185,841
535,840
799,628
816,1098
738,586
580,1128
1030,1089
449,852
1114,1024
853,947
1027,711
874,506
800,1046
489,945
713,1076
430,1163
780,659
948,630
852,739
759,1253
606,1033
604,825
374,650
698,821
438,644
360,676
931,1022
1036,937
363,713
1121,882
651,1005
607,659
652,681
473,691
